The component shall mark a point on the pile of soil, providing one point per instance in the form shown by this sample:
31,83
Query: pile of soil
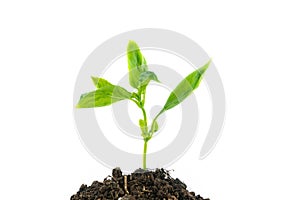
140,185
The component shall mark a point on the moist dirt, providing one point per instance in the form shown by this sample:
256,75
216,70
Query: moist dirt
140,185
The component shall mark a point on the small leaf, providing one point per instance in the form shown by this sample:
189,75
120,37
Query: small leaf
146,77
185,87
136,63
143,126
100,82
155,126
103,96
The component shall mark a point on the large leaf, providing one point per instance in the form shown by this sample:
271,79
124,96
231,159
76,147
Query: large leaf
146,77
100,82
185,87
136,63
103,96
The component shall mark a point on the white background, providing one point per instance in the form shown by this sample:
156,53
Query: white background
255,45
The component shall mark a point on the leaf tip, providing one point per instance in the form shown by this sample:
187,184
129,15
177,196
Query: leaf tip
205,67
95,80
208,63
132,45
131,42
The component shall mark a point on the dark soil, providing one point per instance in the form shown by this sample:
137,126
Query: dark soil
144,185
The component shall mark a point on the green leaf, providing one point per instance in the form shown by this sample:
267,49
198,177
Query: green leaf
143,126
155,126
136,63
185,87
103,96
100,82
146,77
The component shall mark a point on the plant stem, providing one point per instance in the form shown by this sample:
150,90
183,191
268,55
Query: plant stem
145,117
140,102
145,154
145,138
144,97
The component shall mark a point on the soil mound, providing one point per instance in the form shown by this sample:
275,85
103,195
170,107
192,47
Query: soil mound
140,185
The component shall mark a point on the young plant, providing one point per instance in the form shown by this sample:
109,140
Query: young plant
139,77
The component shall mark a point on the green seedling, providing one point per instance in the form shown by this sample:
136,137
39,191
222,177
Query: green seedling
107,93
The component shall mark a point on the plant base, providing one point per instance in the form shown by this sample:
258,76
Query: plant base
140,185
